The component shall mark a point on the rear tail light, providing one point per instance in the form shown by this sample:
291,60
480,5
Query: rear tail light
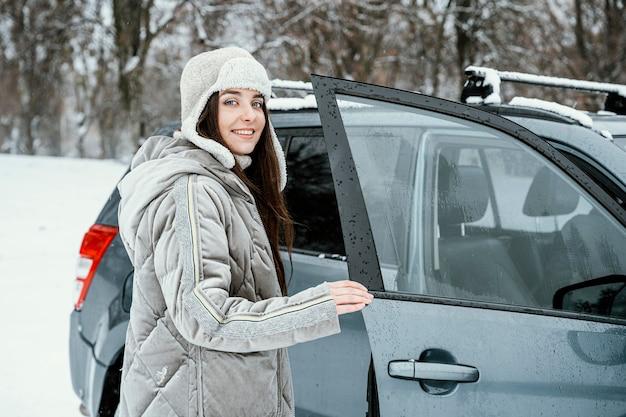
95,243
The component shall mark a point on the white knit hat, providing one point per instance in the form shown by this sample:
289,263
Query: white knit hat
219,70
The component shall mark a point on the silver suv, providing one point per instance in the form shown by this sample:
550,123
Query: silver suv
497,257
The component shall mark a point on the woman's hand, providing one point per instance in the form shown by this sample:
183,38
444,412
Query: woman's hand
349,296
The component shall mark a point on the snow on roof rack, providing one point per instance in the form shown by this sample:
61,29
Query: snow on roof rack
307,102
482,83
571,113
560,109
298,103
524,78
292,103
292,85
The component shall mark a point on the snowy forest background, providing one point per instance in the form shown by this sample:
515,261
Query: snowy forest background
90,78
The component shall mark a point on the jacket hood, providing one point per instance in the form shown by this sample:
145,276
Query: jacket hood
159,162
214,71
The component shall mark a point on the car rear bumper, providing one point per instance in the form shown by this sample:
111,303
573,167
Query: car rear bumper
80,353
86,371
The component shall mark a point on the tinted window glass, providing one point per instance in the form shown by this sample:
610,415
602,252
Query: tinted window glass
464,211
108,214
282,140
311,197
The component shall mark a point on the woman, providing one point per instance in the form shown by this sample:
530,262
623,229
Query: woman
200,216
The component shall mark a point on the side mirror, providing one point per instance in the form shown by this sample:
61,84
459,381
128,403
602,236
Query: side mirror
604,296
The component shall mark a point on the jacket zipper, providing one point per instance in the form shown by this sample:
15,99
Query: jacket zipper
278,383
199,382
196,274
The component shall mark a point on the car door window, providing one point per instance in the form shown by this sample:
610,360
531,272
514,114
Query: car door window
311,197
282,139
460,210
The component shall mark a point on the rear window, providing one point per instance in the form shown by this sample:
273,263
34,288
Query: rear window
108,214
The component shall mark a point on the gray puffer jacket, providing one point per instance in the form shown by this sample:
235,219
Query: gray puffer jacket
208,325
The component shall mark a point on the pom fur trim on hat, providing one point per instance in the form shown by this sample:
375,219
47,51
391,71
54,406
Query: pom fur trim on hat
223,154
220,152
237,72
227,158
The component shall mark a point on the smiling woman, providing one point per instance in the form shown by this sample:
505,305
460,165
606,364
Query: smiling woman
202,216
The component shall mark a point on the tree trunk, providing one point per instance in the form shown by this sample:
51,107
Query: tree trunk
579,33
439,47
463,37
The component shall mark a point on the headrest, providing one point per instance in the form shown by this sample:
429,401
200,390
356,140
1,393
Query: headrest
463,193
549,195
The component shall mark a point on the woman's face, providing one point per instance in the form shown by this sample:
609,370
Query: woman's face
240,119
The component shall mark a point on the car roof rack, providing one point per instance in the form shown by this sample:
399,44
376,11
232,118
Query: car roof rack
292,85
306,101
483,83
287,100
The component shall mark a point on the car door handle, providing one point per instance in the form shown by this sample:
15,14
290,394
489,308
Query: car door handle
412,369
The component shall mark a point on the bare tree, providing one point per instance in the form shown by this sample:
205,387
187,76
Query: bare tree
75,73
39,37
137,23
346,39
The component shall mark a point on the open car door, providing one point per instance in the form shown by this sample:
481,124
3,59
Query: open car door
497,265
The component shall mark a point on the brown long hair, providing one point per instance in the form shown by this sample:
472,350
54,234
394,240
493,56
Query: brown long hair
263,180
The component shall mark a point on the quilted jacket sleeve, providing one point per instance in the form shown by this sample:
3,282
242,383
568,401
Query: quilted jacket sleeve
191,258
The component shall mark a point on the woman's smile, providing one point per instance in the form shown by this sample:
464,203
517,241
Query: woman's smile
244,133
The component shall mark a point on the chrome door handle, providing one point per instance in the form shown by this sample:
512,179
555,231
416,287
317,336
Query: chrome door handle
445,372
402,369
412,369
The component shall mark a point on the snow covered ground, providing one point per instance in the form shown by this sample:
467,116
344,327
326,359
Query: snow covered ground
47,206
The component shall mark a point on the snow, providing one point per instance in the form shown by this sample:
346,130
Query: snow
307,102
6,25
131,64
560,109
490,78
292,85
474,100
48,205
292,103
606,134
493,77
549,81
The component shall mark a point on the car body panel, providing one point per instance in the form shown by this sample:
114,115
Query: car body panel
615,124
529,364
80,354
329,374
96,372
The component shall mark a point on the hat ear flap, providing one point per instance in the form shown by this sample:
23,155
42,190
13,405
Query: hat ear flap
189,131
280,157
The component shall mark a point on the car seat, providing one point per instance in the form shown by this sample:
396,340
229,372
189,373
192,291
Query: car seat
477,267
